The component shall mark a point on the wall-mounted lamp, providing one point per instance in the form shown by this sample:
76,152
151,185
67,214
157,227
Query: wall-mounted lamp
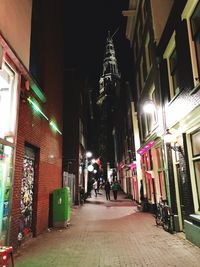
149,107
170,138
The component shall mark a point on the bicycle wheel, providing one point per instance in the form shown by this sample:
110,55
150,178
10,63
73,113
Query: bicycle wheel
166,219
167,225
158,217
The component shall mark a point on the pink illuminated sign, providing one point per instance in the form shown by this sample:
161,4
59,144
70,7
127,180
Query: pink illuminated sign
141,151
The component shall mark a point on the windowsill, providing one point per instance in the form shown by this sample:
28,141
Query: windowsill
195,89
174,97
195,219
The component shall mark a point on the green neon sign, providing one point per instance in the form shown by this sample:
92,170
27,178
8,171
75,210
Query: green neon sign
54,126
37,91
36,107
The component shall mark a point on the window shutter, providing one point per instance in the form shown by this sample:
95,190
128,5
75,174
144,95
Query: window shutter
184,58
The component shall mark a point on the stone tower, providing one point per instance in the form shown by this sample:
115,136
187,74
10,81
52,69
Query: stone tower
109,85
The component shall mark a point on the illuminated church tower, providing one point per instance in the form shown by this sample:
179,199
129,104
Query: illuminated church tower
109,85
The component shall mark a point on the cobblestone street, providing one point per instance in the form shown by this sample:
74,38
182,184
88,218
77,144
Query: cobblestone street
108,234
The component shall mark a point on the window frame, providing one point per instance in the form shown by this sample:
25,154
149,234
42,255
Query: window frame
192,160
186,14
148,53
167,54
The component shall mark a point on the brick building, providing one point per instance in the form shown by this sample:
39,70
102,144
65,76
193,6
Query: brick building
31,131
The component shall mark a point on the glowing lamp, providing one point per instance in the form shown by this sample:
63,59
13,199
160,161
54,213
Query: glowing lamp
93,161
90,168
149,107
170,138
88,154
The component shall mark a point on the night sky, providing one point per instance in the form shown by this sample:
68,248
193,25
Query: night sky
87,23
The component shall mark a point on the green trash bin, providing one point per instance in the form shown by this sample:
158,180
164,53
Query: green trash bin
61,207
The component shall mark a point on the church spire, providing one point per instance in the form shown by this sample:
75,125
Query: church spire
110,62
109,80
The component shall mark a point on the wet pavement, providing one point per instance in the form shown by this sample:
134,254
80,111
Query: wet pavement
108,234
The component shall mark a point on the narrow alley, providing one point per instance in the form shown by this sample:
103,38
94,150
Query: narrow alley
108,234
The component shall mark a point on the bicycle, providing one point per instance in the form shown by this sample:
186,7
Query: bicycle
164,216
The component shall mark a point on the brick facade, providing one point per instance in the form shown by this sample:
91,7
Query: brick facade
35,131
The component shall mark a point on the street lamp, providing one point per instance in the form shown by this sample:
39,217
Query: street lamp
88,154
90,168
170,138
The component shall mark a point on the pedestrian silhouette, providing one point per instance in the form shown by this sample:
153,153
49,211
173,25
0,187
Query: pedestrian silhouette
115,189
107,190
95,186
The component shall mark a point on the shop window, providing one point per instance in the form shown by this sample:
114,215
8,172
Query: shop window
195,139
148,160
6,158
8,102
197,178
195,25
158,156
162,185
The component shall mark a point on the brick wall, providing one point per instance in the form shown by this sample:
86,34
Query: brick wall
35,130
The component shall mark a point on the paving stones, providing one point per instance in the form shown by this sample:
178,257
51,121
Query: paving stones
109,234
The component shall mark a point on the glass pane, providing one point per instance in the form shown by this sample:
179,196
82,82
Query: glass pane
195,138
8,97
173,61
158,157
197,46
195,25
162,185
195,20
6,154
197,176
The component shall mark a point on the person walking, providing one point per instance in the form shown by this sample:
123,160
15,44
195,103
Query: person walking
95,186
107,189
115,188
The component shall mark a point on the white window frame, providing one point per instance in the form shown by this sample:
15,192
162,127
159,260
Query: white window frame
192,169
187,13
167,54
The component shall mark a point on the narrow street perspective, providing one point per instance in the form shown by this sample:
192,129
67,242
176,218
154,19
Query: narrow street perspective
109,234
99,133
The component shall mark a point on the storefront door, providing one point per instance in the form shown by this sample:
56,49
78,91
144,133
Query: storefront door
27,193
182,206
